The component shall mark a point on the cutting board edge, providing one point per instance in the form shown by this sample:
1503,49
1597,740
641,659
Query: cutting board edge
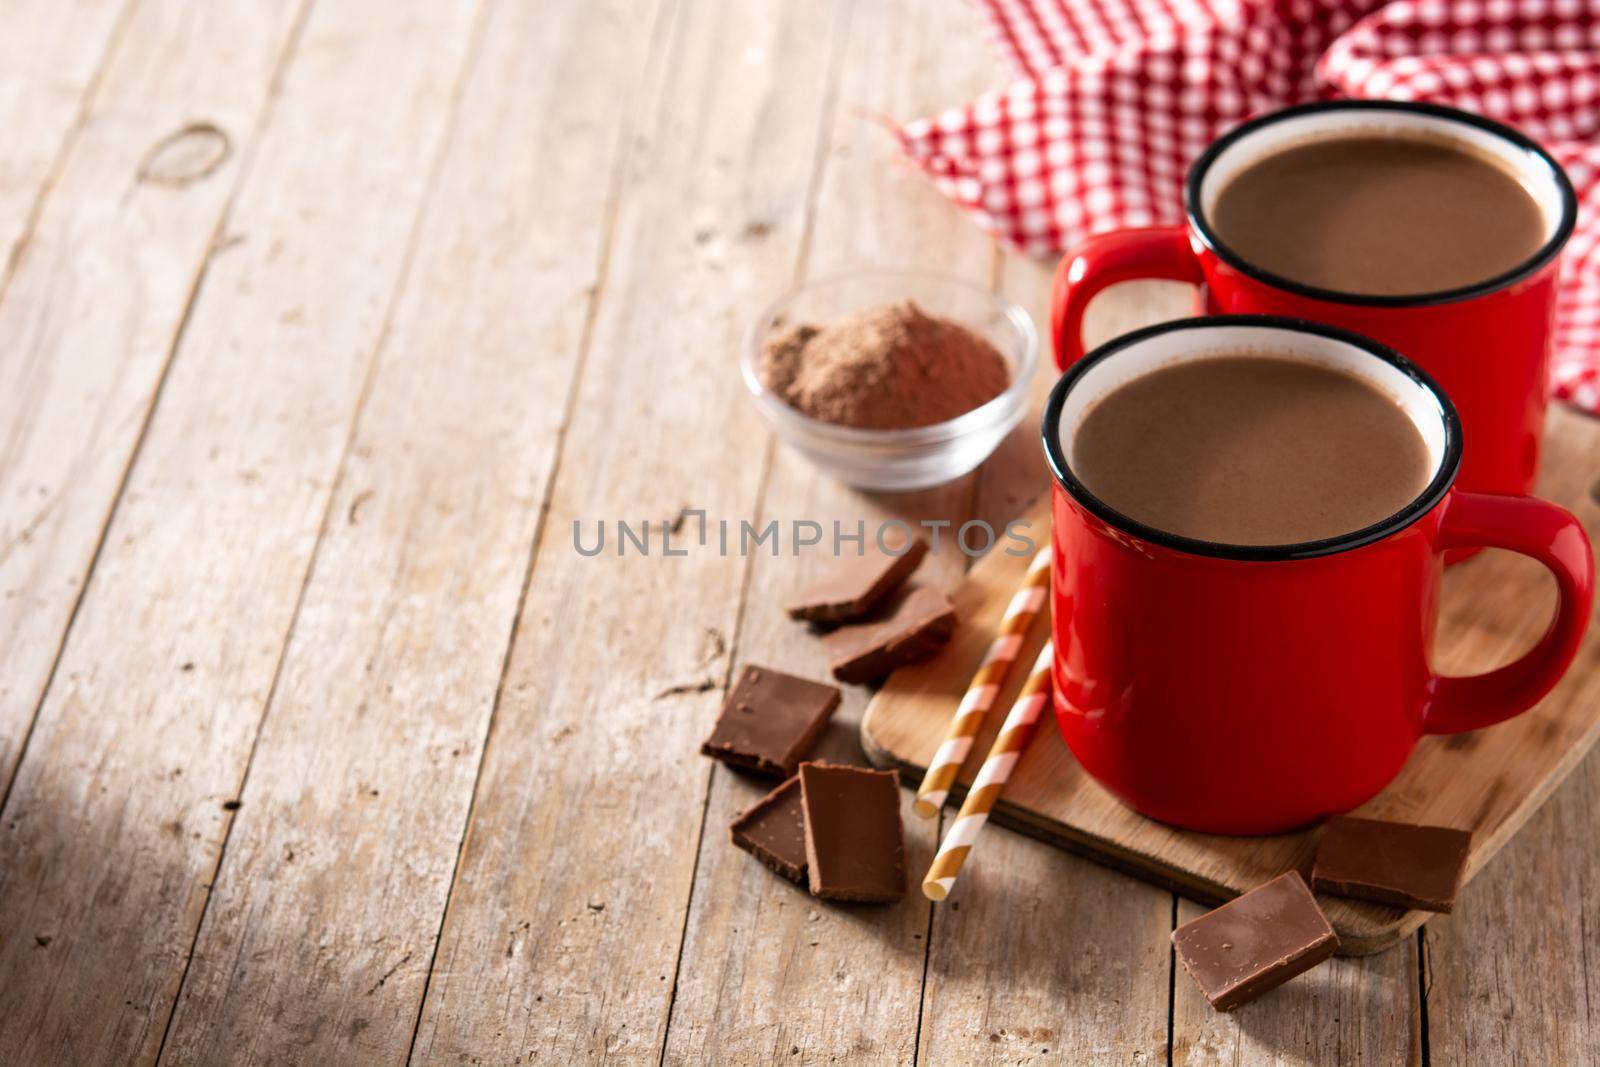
1110,854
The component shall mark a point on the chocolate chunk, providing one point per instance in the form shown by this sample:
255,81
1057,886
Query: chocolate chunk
770,721
915,623
1255,943
1392,862
774,831
855,845
856,584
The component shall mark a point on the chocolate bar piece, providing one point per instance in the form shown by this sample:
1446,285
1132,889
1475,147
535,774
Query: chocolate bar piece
916,622
770,721
856,584
1256,942
774,831
855,845
1392,862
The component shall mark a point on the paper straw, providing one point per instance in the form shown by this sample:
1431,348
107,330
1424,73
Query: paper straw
991,780
985,686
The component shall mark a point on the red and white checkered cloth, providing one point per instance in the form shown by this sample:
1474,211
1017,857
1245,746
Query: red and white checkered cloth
1117,96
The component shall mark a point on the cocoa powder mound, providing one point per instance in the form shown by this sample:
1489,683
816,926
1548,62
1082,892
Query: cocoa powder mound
886,368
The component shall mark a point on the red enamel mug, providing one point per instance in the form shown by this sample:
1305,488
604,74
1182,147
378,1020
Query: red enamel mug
1255,690
1488,344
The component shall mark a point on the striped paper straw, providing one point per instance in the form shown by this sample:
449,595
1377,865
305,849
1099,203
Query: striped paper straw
991,780
985,686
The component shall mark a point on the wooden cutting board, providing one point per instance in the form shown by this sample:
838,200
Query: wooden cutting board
1489,782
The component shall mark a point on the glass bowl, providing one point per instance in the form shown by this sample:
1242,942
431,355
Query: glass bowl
899,459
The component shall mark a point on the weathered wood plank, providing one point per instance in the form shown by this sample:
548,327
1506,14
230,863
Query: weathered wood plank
92,309
1515,971
114,826
874,209
1044,956
568,907
318,936
1039,953
768,973
50,54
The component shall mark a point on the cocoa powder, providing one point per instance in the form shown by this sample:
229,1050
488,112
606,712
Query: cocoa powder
886,368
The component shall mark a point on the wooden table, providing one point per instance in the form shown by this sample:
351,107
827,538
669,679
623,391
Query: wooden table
321,324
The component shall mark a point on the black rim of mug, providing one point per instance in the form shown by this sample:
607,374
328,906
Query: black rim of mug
1430,496
1199,224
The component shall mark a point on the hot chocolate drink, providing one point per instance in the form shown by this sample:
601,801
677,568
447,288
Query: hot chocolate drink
1250,448
1374,215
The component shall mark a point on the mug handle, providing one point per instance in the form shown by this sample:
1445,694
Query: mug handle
1161,252
1551,535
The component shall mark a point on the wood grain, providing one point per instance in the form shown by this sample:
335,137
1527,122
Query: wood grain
113,829
767,972
322,923
1489,782
1044,956
1513,969
91,313
50,55
567,911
